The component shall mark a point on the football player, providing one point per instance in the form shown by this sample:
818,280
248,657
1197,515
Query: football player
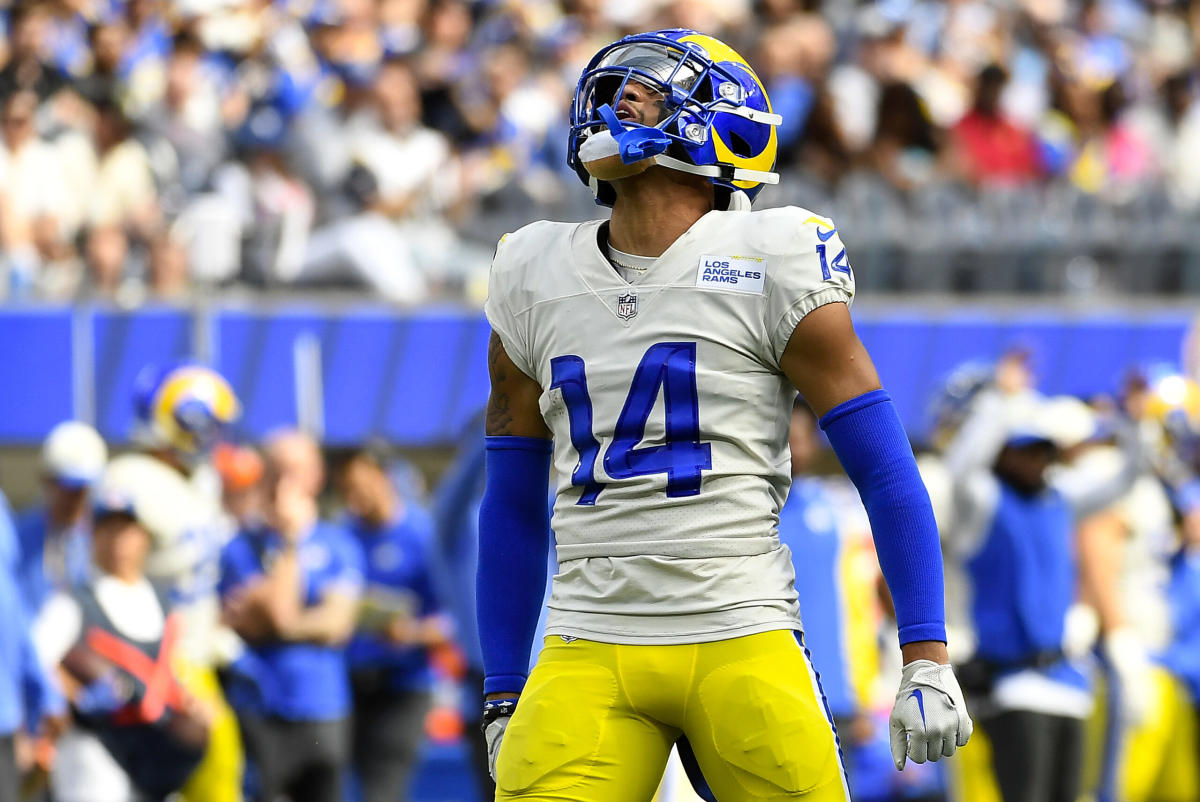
181,411
654,358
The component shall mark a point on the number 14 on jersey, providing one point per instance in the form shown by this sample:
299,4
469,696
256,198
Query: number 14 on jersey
669,368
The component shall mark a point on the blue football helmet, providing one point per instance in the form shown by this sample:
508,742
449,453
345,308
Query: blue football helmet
719,121
183,406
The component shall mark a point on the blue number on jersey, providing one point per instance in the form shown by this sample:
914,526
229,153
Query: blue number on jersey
670,367
839,263
567,374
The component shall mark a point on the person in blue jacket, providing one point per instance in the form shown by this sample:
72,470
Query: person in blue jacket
456,503
55,550
291,592
400,621
26,695
808,527
1014,534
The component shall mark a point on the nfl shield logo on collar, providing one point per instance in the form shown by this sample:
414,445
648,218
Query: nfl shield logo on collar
627,306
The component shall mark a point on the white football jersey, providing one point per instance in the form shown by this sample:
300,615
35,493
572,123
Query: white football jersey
182,514
670,416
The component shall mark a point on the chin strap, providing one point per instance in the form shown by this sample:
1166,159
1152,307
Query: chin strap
726,172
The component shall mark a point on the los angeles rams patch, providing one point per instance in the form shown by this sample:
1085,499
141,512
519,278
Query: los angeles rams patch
738,273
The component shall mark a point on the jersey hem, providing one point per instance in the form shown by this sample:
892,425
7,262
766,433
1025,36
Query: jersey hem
669,639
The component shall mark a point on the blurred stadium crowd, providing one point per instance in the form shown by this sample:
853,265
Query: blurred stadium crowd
157,150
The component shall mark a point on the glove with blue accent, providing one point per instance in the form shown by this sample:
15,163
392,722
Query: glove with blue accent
929,720
496,715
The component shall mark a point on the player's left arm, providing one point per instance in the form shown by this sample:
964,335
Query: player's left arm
830,367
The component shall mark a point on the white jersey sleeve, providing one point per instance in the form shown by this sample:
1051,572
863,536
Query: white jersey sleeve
809,268
509,299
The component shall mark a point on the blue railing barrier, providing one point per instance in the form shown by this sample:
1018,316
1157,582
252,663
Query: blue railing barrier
357,373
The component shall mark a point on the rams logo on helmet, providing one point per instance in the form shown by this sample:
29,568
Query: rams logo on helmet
184,406
719,121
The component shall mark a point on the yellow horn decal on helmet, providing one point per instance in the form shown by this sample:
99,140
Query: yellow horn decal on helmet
716,49
719,51
193,382
763,161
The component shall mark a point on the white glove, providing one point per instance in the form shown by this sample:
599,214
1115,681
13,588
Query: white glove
929,720
493,731
1125,653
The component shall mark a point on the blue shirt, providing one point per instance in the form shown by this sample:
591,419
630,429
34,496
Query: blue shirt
456,554
294,681
25,691
398,578
1182,657
808,527
1023,580
68,569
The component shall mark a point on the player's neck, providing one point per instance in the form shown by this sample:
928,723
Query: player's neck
654,209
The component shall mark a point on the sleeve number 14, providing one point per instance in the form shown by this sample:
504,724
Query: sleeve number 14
669,368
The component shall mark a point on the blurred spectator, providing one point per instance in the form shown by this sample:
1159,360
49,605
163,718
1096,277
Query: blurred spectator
456,514
808,526
1014,536
443,63
53,536
291,592
124,193
106,255
26,695
241,471
1183,655
1170,124
139,733
993,149
906,148
187,118
35,186
167,269
793,57
400,621
108,41
28,67
275,207
822,151
1114,158
402,175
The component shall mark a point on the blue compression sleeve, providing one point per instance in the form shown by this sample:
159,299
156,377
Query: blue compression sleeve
869,440
514,544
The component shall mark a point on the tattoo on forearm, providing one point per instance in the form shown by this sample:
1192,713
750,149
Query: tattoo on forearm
499,414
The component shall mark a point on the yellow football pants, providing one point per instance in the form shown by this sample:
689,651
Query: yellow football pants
218,778
597,720
1159,755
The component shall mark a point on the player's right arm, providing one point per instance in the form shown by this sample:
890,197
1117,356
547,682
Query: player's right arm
514,537
512,407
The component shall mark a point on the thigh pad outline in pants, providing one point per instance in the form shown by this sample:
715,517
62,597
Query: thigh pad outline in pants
764,732
572,737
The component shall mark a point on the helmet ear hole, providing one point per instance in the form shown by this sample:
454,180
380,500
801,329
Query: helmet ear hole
739,146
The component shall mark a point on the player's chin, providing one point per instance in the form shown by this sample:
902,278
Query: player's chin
612,168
